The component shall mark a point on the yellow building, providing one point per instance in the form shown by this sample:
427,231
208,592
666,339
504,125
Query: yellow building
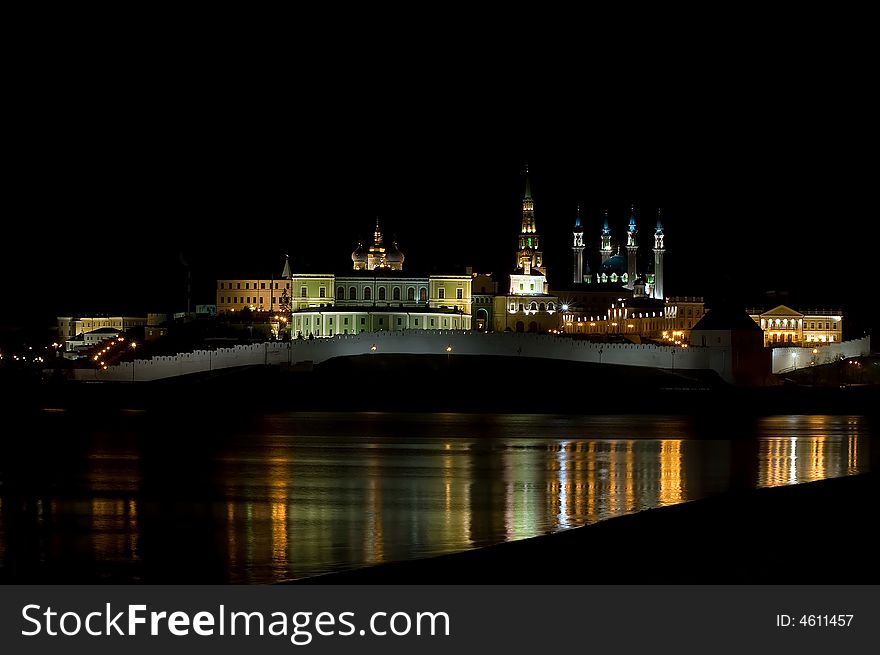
254,294
375,295
639,317
784,326
72,326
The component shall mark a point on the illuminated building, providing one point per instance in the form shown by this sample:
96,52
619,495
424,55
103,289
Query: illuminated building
620,299
375,295
638,317
76,331
784,326
72,326
87,340
528,306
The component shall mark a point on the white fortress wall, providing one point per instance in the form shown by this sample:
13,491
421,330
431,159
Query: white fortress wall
791,358
416,342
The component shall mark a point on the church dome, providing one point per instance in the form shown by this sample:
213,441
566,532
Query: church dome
359,256
393,255
614,264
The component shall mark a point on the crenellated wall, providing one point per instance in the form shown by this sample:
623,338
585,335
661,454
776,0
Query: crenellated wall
419,342
789,359
416,342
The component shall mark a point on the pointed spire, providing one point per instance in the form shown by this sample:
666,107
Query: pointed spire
285,274
659,229
377,235
528,194
605,229
577,219
632,217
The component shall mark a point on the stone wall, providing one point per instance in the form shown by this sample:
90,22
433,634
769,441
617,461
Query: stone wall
789,359
416,342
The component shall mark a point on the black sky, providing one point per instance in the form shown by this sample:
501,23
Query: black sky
120,172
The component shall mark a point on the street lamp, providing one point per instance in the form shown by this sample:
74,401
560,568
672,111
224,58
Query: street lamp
133,360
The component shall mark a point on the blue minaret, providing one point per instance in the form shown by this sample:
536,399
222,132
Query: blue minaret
578,248
659,251
632,248
605,248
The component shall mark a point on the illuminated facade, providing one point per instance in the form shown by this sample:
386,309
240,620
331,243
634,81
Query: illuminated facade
73,330
784,326
375,295
528,305
367,301
253,294
638,317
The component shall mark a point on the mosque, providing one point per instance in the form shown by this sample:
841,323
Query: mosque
615,292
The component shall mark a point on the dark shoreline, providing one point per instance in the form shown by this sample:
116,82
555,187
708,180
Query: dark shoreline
814,533
463,384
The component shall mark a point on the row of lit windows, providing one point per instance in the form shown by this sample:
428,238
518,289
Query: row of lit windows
382,293
792,324
534,307
247,285
381,319
368,295
247,300
788,338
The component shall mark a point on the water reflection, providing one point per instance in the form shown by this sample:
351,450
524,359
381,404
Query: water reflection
808,448
309,493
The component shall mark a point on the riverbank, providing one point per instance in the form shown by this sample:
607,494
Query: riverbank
473,383
816,533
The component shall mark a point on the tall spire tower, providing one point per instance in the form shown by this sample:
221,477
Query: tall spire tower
529,256
578,248
605,248
632,248
376,252
659,251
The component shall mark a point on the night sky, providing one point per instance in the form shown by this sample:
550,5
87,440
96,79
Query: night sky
122,177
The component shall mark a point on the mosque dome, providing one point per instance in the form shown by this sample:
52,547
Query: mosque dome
614,264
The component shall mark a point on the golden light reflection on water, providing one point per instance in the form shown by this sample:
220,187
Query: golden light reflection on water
810,448
284,507
114,529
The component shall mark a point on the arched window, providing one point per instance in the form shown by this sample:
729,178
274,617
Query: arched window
550,306
340,292
533,327
534,306
381,293
541,307
520,326
411,293
423,295
624,277
368,293
395,294
614,277
352,293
